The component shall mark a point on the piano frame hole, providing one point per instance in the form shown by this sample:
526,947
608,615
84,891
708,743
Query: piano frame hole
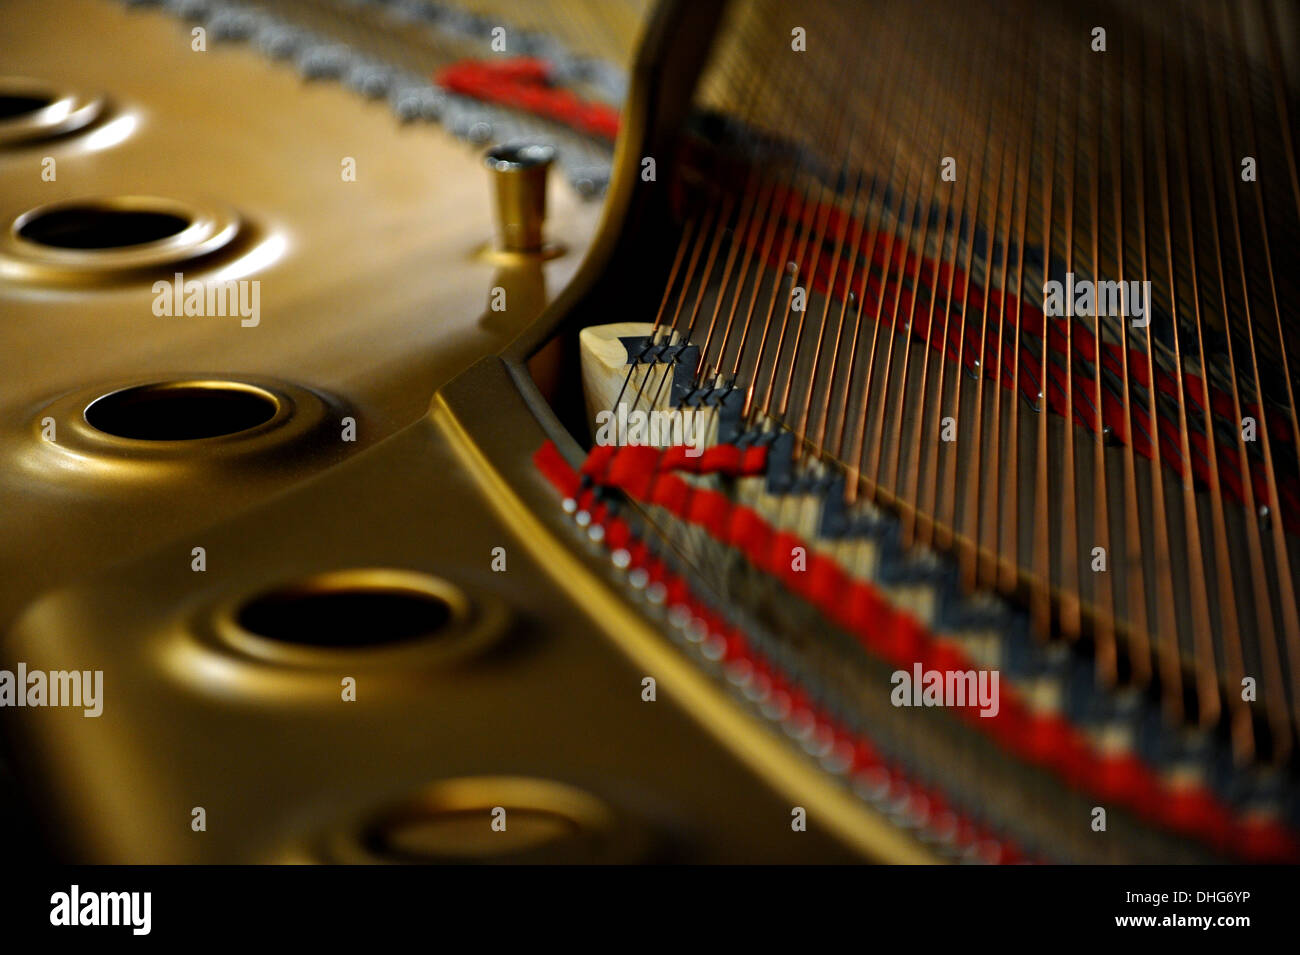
32,110
108,239
14,105
183,411
93,225
452,821
352,610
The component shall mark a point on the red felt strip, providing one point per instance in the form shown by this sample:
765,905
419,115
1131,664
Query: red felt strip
524,83
1047,740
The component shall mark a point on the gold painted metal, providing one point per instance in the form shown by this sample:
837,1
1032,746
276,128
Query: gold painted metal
472,625
449,821
375,296
57,111
178,412
298,416
272,745
208,229
372,292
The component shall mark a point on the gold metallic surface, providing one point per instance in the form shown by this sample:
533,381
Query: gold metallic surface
276,757
63,111
540,821
519,173
472,625
372,291
374,297
208,230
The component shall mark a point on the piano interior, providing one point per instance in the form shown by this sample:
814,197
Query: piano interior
650,431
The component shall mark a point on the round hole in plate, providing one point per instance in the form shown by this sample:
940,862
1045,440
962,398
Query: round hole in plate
99,226
397,624
14,105
467,834
452,821
33,110
181,411
341,611
115,239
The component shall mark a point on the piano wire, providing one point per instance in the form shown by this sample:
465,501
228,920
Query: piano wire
1290,623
